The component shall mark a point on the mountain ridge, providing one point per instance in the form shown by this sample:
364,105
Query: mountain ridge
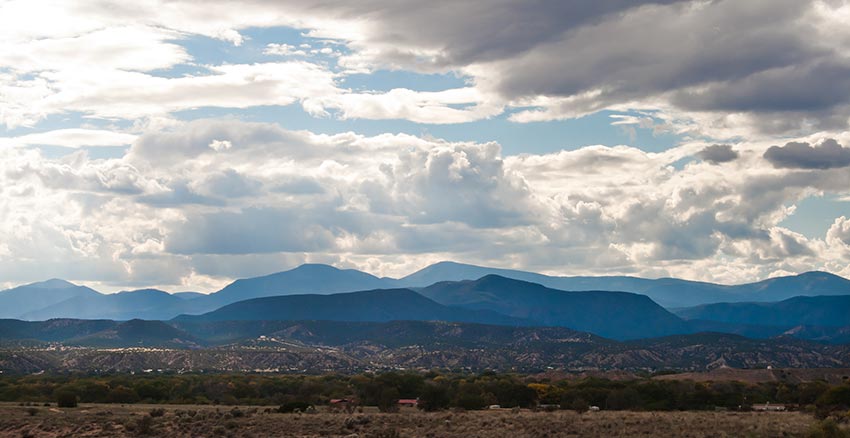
379,305
825,310
45,300
612,314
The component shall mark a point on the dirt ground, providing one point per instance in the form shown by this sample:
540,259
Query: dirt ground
206,421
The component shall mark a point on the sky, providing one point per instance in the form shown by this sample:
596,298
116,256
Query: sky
183,144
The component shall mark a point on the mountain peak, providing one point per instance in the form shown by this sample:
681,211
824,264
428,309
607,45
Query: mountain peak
53,283
315,267
820,274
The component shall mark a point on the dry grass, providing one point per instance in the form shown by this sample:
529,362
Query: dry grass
205,421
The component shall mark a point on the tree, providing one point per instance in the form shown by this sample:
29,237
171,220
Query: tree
66,398
388,400
470,397
122,394
434,397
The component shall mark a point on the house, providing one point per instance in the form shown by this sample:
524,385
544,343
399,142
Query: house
767,407
339,401
408,402
343,404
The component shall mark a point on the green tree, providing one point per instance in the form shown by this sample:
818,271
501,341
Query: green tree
435,396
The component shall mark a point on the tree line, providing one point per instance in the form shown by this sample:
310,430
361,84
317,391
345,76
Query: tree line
434,391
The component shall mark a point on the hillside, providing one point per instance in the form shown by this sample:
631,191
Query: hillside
338,346
138,333
392,334
617,315
52,330
374,305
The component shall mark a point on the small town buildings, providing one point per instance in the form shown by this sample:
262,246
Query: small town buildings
767,407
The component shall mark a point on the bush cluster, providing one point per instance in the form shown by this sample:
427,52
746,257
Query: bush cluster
434,390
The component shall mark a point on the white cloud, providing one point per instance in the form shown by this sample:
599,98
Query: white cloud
174,211
123,48
283,49
71,138
189,198
416,106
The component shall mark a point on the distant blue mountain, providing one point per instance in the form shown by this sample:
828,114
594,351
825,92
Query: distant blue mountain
60,299
188,295
668,292
452,271
145,303
305,279
27,298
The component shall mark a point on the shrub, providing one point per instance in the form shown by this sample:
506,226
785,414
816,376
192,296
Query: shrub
290,407
157,412
32,411
579,405
144,426
389,433
828,429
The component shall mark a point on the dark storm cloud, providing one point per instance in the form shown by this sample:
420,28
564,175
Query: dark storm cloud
472,31
759,57
816,87
642,52
719,153
800,155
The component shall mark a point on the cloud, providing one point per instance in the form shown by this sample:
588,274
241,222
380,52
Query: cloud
391,203
416,106
283,50
802,155
136,48
250,231
753,68
719,153
71,138
190,198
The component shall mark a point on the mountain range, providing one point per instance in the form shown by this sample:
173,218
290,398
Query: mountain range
321,292
668,292
58,298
